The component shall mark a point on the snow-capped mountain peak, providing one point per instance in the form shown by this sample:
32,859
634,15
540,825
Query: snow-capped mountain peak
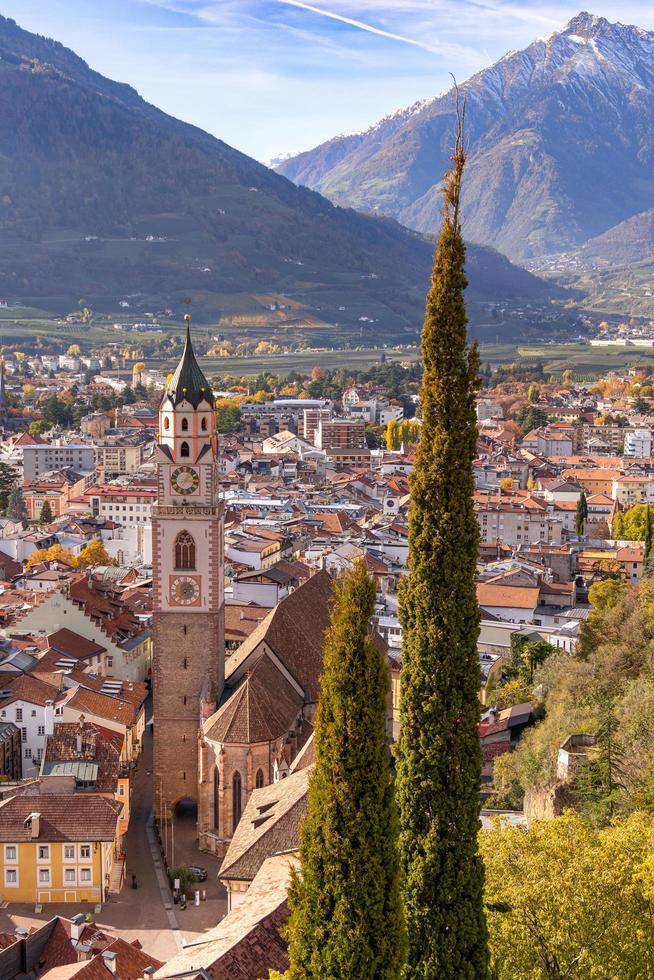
560,142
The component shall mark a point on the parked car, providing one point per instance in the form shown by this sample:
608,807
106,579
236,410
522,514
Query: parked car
200,874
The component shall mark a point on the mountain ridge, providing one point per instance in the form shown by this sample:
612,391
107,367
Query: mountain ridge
578,103
104,196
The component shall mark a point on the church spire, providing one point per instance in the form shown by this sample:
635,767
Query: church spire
188,382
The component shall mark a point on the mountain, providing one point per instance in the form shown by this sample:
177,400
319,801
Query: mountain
106,198
560,145
629,241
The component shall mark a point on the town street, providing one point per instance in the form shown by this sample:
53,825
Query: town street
142,914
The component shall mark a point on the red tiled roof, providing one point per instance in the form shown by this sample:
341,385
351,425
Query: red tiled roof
65,641
103,706
61,818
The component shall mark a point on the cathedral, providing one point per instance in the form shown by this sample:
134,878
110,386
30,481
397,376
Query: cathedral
221,728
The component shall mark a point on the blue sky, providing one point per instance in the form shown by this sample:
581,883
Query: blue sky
277,76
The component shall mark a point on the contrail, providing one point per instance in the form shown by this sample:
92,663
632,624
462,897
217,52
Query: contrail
358,24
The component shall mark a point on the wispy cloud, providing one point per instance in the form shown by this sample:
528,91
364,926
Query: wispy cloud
361,25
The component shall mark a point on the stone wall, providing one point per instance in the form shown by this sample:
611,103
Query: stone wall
546,803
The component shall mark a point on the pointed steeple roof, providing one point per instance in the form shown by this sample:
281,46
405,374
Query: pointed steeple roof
188,382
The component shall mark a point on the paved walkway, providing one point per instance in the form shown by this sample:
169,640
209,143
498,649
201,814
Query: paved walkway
145,913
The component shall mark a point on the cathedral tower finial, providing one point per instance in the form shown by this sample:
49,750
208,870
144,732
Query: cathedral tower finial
188,382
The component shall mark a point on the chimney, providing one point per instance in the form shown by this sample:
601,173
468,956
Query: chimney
110,961
48,718
33,824
77,924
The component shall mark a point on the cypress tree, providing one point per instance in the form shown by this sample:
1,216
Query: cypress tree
346,920
648,568
581,515
439,764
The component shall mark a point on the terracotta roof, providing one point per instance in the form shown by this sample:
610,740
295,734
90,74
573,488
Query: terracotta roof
103,706
111,607
9,568
130,963
261,708
507,596
27,687
62,818
294,632
240,621
306,757
27,439
633,552
72,644
336,522
270,824
600,498
247,943
62,747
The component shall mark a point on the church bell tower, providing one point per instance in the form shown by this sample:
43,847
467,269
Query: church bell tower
187,559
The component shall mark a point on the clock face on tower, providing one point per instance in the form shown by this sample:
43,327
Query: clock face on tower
185,591
185,480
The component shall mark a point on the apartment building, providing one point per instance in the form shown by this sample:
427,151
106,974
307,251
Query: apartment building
127,505
117,458
340,434
514,525
49,457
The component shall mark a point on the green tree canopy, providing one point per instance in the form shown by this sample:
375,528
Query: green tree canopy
531,417
16,508
568,901
46,516
631,525
8,481
606,689
606,594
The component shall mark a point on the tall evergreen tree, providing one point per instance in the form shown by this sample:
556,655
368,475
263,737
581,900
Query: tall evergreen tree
346,920
16,508
648,568
581,515
439,765
46,516
7,483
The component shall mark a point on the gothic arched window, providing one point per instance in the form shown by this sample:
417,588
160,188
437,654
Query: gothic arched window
184,451
184,551
216,799
259,779
184,425
236,800
166,422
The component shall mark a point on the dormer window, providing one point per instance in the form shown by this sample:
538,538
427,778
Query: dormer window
184,450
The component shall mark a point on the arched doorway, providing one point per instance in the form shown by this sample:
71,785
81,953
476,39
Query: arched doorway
180,833
186,809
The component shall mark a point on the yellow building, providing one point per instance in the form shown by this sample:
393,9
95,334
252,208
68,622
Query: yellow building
629,489
57,847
